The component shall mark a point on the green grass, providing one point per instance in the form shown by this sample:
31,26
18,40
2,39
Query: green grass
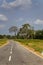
36,44
3,41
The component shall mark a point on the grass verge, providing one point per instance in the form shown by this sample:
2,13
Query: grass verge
36,44
3,41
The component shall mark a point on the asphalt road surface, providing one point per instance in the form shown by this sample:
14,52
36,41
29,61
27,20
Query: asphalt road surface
15,54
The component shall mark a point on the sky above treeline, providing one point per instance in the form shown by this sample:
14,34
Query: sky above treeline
19,12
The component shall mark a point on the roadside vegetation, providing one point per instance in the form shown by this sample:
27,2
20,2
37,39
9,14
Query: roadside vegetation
36,44
3,41
27,35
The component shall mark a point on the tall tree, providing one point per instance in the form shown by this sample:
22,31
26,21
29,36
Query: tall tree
13,29
24,31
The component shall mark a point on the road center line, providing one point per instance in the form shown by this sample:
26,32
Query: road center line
10,54
9,58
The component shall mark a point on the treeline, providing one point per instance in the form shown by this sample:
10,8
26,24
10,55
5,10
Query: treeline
26,31
39,34
6,36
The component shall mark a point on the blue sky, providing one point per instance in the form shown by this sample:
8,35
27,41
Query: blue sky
18,12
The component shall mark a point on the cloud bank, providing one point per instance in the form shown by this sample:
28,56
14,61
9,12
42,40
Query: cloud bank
17,3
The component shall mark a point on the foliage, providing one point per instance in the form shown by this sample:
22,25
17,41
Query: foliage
36,44
3,41
26,31
39,34
1,36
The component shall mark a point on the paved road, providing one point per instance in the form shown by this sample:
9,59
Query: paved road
15,54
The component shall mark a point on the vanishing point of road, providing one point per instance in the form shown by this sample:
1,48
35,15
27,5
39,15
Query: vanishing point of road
15,54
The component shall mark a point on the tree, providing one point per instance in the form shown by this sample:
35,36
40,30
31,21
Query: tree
39,34
26,26
13,29
25,31
1,36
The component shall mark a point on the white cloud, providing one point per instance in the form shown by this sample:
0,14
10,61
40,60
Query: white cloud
3,17
2,26
38,21
17,3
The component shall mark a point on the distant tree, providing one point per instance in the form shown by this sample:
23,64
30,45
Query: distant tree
13,29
